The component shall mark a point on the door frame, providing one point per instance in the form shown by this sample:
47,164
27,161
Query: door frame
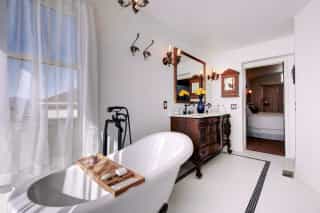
289,100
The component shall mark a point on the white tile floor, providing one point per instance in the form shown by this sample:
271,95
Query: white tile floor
2,203
227,179
227,186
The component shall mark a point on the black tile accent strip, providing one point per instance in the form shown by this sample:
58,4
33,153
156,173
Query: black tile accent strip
258,189
259,186
243,156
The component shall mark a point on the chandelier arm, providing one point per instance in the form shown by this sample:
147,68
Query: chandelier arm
144,3
123,4
136,4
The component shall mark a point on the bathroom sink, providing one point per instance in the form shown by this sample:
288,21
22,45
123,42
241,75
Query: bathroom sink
196,115
66,188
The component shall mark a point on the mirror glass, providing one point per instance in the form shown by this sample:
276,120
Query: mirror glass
189,77
229,84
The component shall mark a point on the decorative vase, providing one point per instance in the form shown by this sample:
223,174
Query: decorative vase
201,106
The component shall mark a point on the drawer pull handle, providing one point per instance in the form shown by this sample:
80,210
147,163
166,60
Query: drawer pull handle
204,153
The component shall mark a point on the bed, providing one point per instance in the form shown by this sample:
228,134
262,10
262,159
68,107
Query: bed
266,125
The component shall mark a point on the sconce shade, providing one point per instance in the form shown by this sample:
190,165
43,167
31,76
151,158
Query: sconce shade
213,76
172,56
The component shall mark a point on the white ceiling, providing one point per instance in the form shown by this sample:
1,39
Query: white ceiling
225,24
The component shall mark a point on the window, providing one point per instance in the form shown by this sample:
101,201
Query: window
56,54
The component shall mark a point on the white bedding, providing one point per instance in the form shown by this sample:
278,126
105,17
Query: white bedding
266,125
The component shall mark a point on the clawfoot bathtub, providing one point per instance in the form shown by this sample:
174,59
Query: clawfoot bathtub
157,157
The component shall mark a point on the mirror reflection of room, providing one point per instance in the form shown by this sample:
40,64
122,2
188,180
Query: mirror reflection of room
265,109
189,78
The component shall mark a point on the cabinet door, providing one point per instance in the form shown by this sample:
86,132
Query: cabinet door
209,150
178,125
203,132
213,131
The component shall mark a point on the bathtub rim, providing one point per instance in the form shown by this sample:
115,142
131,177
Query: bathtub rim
26,185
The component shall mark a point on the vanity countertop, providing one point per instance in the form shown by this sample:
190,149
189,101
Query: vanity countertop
199,116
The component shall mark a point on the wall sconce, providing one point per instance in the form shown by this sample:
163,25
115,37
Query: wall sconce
213,76
146,52
133,48
169,59
178,57
201,73
136,4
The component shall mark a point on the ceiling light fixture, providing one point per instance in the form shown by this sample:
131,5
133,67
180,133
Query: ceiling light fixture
136,4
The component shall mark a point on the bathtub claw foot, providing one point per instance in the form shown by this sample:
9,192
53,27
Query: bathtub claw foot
164,208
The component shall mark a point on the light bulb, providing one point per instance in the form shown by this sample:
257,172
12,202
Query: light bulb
179,52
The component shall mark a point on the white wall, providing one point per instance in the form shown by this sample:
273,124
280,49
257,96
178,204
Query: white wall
129,80
235,59
144,85
308,104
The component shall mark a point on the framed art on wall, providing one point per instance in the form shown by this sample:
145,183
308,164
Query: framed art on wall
230,83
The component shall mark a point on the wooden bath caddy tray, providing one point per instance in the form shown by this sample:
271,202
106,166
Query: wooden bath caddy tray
116,185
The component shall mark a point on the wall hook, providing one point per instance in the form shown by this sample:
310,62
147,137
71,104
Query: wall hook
133,47
146,52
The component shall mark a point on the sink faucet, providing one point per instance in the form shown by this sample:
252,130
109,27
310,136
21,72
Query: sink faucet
185,111
208,105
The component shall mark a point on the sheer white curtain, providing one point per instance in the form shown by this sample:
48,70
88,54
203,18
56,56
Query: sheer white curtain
48,86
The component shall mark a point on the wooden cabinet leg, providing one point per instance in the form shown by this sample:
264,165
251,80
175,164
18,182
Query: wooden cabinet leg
198,172
229,148
164,208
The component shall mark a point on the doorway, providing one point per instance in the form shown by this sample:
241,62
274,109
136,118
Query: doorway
289,99
265,106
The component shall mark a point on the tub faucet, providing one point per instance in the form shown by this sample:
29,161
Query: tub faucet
121,119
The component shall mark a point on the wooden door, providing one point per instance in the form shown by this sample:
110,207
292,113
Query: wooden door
273,98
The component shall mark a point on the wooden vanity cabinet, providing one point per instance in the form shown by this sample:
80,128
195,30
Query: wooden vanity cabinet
209,135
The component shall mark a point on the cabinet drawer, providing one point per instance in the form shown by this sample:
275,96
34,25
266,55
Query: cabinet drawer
208,150
203,123
204,152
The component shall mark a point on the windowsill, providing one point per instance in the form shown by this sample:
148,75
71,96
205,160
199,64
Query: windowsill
61,114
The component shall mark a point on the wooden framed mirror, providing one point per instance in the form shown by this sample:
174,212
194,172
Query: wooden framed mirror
189,75
230,83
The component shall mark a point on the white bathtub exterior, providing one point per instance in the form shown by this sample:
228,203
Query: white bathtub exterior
157,157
